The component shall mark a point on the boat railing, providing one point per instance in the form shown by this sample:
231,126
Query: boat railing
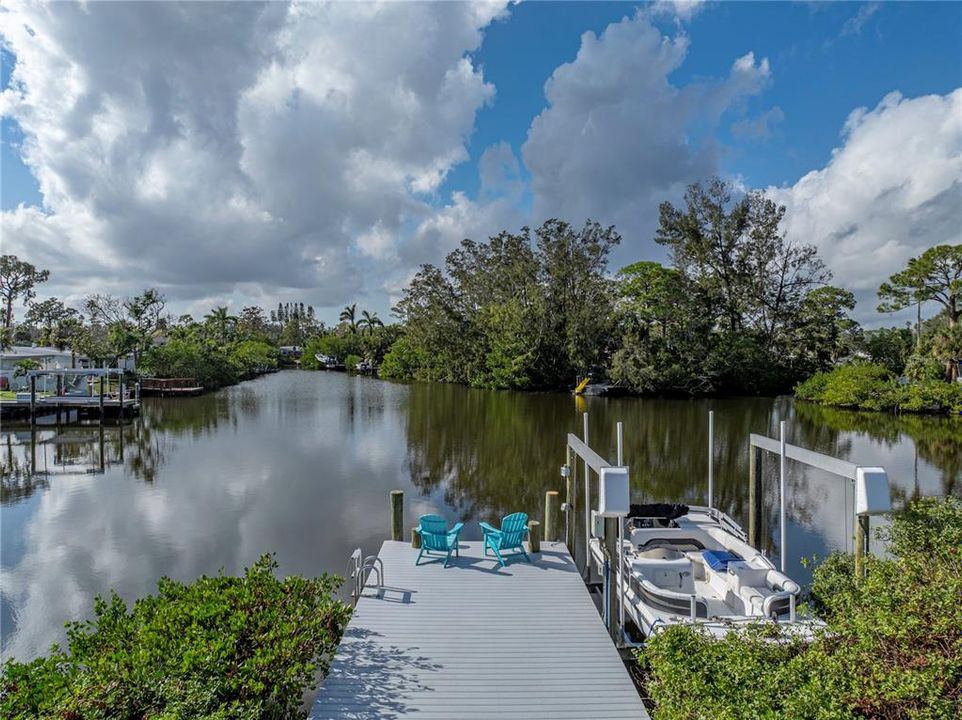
722,519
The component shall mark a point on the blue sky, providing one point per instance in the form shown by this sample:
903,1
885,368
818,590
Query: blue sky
820,75
333,149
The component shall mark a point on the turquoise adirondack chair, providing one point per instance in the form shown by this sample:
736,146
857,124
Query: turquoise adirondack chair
511,536
435,537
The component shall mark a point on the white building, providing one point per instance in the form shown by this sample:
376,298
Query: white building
49,358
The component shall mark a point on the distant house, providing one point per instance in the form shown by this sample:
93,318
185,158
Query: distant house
49,358
290,351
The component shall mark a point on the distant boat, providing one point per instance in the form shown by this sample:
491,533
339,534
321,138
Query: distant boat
586,387
365,366
328,363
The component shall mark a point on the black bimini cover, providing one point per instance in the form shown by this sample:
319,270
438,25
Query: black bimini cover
668,511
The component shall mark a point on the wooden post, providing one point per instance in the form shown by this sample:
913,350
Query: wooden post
861,545
415,538
397,514
103,449
121,400
101,399
137,391
33,399
755,466
33,450
551,516
534,536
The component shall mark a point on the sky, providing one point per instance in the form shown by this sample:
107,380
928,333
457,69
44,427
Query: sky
237,154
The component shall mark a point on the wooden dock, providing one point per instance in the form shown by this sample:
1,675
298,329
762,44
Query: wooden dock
477,641
53,409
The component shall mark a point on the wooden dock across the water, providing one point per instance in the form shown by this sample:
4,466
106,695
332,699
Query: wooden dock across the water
474,640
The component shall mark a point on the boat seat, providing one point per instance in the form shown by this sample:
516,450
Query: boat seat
740,575
754,597
671,574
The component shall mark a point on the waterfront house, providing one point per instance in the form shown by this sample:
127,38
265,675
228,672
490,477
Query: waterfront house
48,358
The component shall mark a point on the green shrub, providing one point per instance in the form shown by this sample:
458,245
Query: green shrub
814,388
861,385
402,361
210,365
254,356
891,650
220,647
873,387
922,368
351,361
930,396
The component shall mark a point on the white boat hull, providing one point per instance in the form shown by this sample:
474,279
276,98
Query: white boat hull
668,581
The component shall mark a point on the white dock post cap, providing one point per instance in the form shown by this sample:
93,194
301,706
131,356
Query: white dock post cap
613,492
871,491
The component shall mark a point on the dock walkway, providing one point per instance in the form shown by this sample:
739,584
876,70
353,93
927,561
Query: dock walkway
477,641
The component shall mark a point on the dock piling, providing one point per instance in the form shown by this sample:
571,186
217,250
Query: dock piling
534,536
415,538
33,399
397,514
782,501
551,516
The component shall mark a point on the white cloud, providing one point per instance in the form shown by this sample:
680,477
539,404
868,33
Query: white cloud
203,147
681,10
854,25
618,137
891,190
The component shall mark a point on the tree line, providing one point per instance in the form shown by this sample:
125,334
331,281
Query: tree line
739,309
218,349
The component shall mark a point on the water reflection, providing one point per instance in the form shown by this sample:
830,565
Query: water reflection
301,464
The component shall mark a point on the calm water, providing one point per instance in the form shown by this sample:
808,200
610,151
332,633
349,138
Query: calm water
300,464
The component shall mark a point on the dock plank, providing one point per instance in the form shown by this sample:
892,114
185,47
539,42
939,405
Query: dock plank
477,641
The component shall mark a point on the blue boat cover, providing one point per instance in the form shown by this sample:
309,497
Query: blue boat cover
719,559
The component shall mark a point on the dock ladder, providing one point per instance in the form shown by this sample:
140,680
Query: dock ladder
360,569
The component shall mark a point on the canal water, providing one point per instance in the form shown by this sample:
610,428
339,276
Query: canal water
301,464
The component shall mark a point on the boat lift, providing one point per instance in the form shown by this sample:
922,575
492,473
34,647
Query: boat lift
871,492
871,489
613,505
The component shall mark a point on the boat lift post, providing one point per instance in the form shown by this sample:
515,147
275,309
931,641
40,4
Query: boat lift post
871,488
711,457
621,538
613,505
782,555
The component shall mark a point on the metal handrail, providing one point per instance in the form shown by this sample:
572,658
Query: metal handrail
360,570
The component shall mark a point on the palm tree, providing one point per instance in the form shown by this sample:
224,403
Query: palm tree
369,321
221,324
349,315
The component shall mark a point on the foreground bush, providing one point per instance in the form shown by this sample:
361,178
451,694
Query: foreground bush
892,648
874,387
220,647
